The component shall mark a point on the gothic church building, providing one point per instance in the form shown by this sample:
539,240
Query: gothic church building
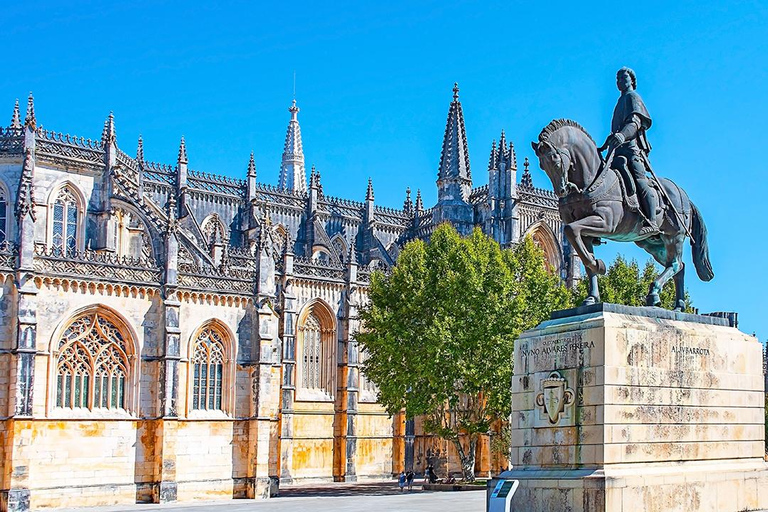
170,334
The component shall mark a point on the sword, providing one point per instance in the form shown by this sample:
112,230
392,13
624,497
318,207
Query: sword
663,192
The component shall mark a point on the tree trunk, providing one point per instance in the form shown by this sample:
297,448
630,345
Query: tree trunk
467,458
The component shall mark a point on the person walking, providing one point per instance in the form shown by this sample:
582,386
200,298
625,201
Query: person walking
409,479
401,481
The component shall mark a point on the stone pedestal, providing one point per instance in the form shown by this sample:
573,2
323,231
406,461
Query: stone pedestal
637,409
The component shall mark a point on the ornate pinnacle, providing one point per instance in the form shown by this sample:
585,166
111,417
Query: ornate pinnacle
526,180
408,204
108,134
455,91
16,119
251,167
140,150
172,222
183,152
30,120
419,205
369,192
293,109
493,161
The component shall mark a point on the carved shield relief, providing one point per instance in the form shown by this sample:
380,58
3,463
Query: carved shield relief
554,401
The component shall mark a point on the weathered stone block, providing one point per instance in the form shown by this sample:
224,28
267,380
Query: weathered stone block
638,409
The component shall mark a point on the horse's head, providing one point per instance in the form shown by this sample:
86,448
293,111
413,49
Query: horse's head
556,163
568,155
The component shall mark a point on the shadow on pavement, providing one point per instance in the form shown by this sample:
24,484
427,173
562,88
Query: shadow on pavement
345,489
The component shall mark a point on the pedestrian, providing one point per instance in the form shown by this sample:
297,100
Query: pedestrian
409,479
401,481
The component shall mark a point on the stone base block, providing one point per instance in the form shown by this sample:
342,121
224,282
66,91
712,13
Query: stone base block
711,487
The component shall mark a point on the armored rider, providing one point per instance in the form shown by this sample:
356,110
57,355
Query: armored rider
630,122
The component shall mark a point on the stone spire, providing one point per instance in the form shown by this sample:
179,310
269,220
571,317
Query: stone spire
16,119
419,204
526,180
454,178
108,134
30,120
292,174
369,191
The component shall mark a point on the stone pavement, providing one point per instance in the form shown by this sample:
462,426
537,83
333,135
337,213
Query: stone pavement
368,497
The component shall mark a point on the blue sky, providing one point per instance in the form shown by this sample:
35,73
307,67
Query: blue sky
374,79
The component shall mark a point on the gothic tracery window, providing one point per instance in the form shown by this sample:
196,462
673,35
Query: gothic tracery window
3,216
214,230
315,377
312,353
65,220
208,370
92,365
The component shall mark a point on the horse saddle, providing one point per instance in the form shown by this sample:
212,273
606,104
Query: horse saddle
628,189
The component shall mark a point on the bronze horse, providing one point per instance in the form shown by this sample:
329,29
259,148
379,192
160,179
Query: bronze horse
593,205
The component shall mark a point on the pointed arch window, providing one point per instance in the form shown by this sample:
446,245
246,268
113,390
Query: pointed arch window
92,365
312,353
208,370
65,222
315,357
3,216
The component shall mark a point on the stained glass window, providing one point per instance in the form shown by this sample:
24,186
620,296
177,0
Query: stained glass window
92,365
208,370
65,222
312,351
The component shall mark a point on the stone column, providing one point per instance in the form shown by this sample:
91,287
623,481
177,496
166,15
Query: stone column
288,318
15,494
165,487
263,426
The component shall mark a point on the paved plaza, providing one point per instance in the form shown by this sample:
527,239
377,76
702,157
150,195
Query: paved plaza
372,497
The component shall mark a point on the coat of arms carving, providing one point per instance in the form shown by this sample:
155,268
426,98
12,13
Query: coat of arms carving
555,395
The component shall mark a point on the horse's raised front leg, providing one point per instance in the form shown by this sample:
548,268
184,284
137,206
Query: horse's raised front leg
595,226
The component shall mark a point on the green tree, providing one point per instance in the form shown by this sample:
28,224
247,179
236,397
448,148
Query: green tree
439,331
625,284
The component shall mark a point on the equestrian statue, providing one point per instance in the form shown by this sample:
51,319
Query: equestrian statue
619,197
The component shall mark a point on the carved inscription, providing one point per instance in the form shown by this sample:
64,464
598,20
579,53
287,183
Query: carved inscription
685,350
567,345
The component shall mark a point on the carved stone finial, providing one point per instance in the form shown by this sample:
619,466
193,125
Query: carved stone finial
16,119
25,201
493,162
172,221
455,91
183,152
369,192
140,150
30,120
419,205
251,167
408,204
108,134
526,180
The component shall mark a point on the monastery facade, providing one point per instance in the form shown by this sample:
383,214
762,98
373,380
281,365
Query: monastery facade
170,334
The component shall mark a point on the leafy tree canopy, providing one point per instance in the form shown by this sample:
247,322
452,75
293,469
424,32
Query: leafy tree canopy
439,331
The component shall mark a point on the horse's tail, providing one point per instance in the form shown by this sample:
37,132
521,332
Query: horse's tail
699,246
